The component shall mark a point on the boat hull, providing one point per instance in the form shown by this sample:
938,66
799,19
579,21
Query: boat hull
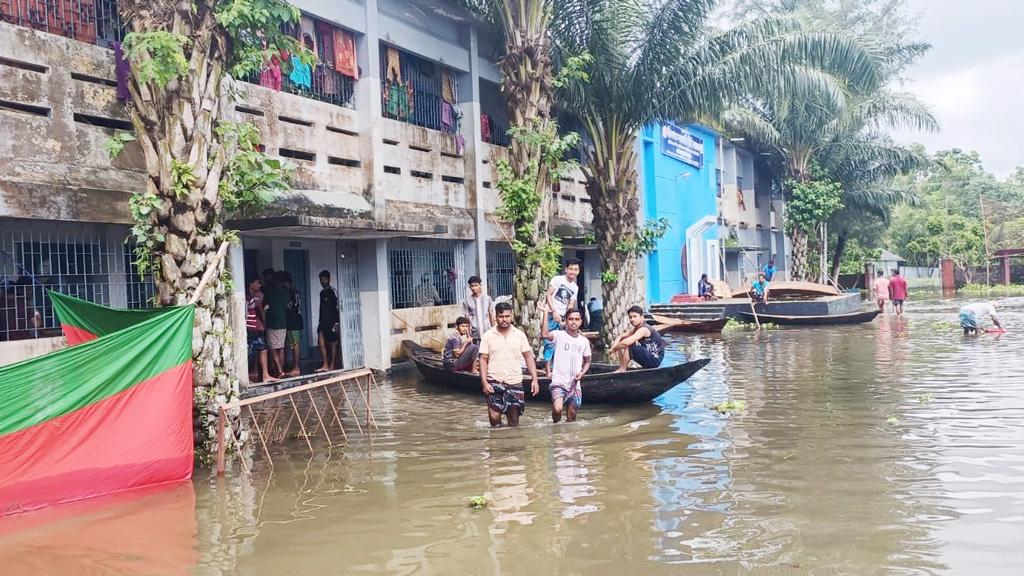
837,319
601,386
670,324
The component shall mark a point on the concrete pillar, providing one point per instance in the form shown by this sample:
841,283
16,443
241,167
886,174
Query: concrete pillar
1005,261
368,109
869,275
236,315
469,101
375,303
947,276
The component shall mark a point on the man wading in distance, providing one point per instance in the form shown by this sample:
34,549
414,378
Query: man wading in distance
571,362
502,350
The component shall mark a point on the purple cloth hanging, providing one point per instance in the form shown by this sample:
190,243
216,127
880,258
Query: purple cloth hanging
121,69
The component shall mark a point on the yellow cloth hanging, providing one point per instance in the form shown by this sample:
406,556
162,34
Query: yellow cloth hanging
394,70
447,87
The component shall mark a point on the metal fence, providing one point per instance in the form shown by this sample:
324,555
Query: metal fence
85,261
426,272
501,269
417,99
92,21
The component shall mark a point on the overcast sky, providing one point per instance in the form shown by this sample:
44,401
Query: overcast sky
973,77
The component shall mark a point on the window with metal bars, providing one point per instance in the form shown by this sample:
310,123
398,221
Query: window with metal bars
91,262
92,21
426,272
501,269
418,91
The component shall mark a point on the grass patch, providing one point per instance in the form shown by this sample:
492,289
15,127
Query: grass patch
734,325
996,290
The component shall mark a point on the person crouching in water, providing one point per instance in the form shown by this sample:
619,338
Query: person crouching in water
571,361
459,349
502,351
970,315
641,343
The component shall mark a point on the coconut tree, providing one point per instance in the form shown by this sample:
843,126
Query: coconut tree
197,166
663,61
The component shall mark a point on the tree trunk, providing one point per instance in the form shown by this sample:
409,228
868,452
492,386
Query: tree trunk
527,74
612,187
837,256
798,264
174,125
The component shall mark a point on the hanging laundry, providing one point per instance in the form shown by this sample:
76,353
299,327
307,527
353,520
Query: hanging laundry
307,33
485,128
121,70
447,118
460,144
410,100
345,54
448,87
396,103
301,74
394,68
270,77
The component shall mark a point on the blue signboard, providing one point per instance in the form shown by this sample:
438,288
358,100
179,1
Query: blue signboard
681,144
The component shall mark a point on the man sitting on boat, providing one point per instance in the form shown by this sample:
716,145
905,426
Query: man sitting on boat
570,363
502,351
759,290
641,343
459,350
970,315
705,289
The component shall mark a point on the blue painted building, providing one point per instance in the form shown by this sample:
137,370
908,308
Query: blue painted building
679,182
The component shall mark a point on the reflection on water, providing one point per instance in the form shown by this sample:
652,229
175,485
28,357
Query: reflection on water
890,448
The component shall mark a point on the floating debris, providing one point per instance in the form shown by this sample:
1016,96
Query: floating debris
730,406
892,420
925,398
478,502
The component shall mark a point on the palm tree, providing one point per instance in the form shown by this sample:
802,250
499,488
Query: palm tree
662,61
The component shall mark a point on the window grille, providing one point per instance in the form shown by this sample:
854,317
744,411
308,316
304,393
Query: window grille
426,270
418,98
501,269
91,262
92,21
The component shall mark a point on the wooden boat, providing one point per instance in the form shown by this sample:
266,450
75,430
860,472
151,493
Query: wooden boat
670,324
783,289
854,318
600,386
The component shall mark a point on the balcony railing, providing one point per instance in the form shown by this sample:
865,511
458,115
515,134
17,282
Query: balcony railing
415,93
326,85
495,133
92,21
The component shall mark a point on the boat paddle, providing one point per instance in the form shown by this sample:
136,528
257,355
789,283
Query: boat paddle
754,310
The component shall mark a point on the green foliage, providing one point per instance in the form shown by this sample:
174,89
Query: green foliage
115,144
645,239
856,256
255,27
157,55
142,205
995,290
607,277
811,203
183,178
574,69
252,178
730,406
478,502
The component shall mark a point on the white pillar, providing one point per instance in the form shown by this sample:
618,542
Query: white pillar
375,303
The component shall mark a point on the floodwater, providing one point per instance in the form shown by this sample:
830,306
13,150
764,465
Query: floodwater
890,448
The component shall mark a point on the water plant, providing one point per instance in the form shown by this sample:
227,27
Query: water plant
730,406
478,502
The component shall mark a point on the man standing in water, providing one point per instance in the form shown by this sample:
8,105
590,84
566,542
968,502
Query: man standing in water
880,287
571,362
641,343
970,315
502,350
897,290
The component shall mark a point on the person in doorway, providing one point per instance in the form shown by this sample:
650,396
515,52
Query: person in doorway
275,298
459,349
561,298
503,349
641,343
596,310
759,290
328,327
971,314
897,290
479,308
570,363
426,294
294,322
254,320
769,270
880,288
705,289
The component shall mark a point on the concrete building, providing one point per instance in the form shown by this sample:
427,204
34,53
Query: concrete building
678,165
395,163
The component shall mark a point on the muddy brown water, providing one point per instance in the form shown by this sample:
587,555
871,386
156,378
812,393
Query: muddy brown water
890,448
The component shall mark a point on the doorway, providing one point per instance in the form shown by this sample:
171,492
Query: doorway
296,263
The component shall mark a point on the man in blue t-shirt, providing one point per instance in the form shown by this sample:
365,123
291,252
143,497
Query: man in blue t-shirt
769,270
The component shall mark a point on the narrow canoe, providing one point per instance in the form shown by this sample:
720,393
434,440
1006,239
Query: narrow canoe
792,288
670,324
600,386
854,318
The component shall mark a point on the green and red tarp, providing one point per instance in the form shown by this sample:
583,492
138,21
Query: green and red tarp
112,413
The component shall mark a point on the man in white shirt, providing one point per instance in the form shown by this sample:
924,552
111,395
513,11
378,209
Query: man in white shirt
561,298
571,362
971,314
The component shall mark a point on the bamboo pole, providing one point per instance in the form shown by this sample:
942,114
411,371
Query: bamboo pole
210,271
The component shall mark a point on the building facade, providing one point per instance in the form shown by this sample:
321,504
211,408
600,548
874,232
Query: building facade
394,134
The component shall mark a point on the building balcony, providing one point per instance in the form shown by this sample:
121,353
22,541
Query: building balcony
94,23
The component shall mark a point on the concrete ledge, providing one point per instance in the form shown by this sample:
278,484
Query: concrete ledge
18,350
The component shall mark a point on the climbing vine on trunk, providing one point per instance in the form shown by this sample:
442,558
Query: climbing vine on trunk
811,202
199,166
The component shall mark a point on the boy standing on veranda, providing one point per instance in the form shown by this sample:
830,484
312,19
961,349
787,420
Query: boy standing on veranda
571,361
